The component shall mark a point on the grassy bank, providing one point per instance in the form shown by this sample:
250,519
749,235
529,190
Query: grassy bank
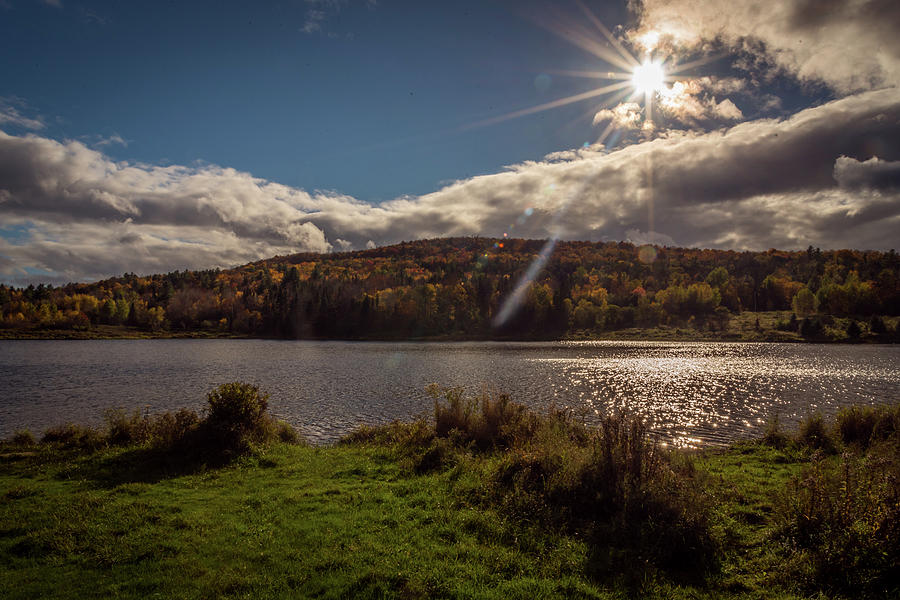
484,500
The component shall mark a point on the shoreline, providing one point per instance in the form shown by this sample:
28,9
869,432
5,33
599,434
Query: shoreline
666,334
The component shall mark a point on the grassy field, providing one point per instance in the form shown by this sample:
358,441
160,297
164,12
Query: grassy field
421,511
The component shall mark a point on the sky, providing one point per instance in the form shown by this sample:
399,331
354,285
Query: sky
150,137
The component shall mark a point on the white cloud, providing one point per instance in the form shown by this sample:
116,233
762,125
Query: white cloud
626,115
10,114
851,45
113,140
787,183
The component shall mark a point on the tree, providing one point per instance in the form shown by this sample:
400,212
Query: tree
804,302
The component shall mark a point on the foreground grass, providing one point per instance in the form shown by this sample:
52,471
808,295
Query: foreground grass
465,506
346,521
295,521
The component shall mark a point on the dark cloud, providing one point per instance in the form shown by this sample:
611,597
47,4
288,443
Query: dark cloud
872,174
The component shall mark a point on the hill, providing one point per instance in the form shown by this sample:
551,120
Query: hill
456,287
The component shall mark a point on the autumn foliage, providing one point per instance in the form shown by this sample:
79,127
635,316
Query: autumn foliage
456,286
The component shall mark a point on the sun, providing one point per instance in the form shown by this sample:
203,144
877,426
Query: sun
655,81
649,78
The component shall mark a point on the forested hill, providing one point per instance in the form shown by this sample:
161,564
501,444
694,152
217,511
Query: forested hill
456,286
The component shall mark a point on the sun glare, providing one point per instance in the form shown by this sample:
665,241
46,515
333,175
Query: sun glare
649,78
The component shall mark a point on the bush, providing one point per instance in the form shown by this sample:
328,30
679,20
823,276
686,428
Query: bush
861,426
168,429
23,437
633,501
774,436
855,425
844,517
236,421
125,429
70,435
814,434
488,421
161,431
619,488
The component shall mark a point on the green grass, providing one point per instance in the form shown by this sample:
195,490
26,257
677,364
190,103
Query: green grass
294,521
338,522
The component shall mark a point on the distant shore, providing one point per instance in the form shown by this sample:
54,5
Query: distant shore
741,328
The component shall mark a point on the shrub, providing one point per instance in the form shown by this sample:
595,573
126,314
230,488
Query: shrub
844,517
774,436
814,434
236,421
634,503
168,429
161,431
397,433
856,424
490,420
286,433
23,437
862,426
70,435
617,487
237,405
124,429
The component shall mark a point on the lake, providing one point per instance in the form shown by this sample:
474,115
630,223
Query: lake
692,393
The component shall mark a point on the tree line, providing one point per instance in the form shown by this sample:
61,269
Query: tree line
457,286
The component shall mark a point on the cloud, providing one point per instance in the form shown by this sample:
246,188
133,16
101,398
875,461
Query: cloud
872,174
624,116
319,11
10,114
756,185
850,45
811,178
88,216
689,103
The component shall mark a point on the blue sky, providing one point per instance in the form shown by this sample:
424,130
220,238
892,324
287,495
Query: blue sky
147,137
373,101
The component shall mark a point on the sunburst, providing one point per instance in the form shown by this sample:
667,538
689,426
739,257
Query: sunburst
645,81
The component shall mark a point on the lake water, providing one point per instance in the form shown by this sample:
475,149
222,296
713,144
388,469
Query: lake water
692,393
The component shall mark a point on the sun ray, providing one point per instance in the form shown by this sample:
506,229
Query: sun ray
548,105
586,42
589,74
608,34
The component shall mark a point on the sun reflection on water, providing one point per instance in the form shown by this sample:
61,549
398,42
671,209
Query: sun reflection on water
694,395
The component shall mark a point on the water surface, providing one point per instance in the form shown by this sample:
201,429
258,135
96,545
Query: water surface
693,393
